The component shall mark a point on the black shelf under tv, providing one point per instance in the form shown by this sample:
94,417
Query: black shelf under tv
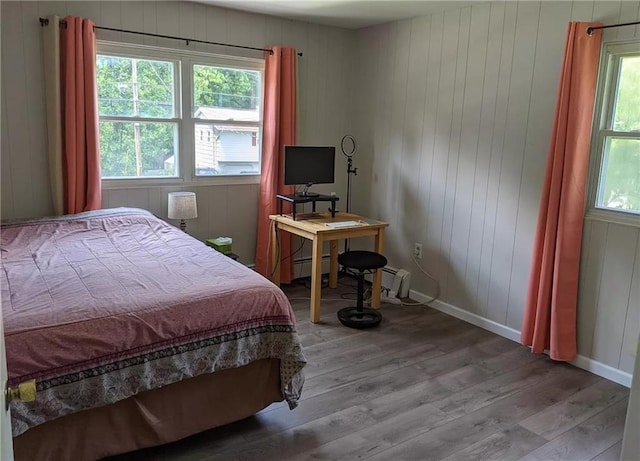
295,199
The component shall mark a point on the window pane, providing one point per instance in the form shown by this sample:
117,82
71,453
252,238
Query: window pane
226,94
155,156
626,115
227,149
619,186
135,87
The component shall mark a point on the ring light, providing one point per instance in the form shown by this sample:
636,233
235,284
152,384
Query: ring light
348,145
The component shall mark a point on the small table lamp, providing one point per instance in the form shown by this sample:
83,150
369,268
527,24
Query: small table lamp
182,205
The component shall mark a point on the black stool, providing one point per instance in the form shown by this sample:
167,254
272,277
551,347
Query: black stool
360,316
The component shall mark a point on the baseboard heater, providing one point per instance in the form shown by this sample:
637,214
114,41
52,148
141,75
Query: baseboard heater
302,266
396,281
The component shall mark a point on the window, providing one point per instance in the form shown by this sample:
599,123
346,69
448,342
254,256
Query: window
228,100
617,130
177,116
137,103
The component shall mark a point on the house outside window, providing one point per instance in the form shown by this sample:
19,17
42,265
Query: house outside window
173,116
615,185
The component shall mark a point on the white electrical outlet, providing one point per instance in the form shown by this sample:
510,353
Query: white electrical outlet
417,250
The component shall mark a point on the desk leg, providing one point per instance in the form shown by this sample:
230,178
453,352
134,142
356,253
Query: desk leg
377,277
333,264
275,257
316,279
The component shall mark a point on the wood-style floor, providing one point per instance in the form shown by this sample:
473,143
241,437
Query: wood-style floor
422,386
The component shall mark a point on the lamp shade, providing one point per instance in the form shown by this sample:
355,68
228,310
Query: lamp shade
182,205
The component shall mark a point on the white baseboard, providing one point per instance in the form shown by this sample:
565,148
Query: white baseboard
600,369
597,368
469,317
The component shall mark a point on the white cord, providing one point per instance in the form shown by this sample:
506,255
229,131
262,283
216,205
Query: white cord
272,270
432,278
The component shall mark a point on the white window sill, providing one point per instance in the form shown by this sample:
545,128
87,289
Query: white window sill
172,182
615,217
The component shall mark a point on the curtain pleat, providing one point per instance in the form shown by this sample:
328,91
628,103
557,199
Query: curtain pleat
551,306
278,130
81,149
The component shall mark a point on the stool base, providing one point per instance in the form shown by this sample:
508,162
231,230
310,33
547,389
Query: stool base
354,318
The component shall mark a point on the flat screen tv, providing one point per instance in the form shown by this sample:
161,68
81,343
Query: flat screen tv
308,165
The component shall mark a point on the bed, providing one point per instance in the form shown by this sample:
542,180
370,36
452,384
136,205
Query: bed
136,334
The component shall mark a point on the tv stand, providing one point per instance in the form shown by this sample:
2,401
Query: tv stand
309,197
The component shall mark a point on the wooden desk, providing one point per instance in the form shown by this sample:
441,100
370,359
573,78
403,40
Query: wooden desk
316,231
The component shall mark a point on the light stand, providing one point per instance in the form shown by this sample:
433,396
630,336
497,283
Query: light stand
348,152
350,171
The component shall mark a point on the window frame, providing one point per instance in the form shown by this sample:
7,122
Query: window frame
604,107
183,78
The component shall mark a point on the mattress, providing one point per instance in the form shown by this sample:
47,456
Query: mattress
103,305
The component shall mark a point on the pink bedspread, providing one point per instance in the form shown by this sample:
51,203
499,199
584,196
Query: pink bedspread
102,305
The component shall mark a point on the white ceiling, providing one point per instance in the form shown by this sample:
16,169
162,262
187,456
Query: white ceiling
352,14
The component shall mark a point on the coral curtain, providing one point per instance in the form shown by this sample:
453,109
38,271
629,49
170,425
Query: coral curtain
80,141
551,305
278,130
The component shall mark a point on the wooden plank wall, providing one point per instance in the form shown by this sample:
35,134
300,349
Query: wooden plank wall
226,209
452,113
454,117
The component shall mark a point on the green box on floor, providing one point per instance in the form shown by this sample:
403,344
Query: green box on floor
222,244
